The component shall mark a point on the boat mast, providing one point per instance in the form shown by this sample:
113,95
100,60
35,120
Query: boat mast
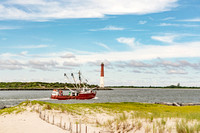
85,83
74,80
69,80
79,75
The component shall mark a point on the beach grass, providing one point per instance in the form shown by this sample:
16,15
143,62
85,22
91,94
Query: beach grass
129,116
140,110
15,109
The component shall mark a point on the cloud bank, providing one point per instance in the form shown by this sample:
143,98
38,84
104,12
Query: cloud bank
43,10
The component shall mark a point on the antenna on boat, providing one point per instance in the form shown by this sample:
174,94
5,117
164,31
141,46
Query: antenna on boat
69,79
86,81
74,79
79,75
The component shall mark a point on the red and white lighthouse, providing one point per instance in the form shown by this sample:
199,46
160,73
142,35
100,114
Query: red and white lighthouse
102,76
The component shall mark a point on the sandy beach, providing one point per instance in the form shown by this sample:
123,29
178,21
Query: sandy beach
36,120
26,122
30,122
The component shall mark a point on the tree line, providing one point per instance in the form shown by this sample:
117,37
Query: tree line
38,85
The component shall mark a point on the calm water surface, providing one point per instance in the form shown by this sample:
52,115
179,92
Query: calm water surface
116,95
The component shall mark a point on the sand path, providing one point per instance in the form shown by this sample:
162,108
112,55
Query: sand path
26,122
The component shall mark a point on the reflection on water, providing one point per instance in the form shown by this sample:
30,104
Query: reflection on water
116,95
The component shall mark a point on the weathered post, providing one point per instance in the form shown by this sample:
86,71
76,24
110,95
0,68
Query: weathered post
64,126
44,116
76,127
86,129
70,127
61,121
48,119
40,114
80,126
53,120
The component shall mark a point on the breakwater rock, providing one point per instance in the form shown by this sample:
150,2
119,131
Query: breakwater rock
5,106
178,104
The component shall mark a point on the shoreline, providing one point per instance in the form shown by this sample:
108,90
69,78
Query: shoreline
98,89
46,89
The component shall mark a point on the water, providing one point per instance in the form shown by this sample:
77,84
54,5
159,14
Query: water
116,95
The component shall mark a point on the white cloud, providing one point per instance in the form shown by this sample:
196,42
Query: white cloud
31,46
68,55
168,18
179,25
42,65
112,28
191,20
168,38
141,52
147,52
7,55
10,64
24,53
131,42
137,64
42,10
103,45
176,71
71,64
108,28
142,22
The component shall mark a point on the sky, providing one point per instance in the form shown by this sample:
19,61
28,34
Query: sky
141,42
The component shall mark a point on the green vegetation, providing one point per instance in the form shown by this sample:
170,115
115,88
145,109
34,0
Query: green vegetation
36,85
157,87
128,116
47,86
141,110
178,86
16,109
185,127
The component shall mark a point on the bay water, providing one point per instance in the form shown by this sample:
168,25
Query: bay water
115,95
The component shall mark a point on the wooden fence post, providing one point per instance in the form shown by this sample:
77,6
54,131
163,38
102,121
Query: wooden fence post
53,119
76,127
44,117
70,125
80,126
40,114
48,119
64,126
61,121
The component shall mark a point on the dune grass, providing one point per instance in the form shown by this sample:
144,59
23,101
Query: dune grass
15,109
141,110
129,115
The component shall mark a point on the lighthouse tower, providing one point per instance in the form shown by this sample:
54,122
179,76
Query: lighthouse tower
102,76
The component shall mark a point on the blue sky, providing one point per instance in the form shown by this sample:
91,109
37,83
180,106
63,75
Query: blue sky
142,43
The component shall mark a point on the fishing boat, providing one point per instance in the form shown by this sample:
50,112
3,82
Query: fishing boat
81,95
81,91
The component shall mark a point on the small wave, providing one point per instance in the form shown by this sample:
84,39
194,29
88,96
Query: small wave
95,98
40,99
4,100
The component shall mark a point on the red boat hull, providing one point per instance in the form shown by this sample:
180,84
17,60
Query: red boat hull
65,97
81,96
86,96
